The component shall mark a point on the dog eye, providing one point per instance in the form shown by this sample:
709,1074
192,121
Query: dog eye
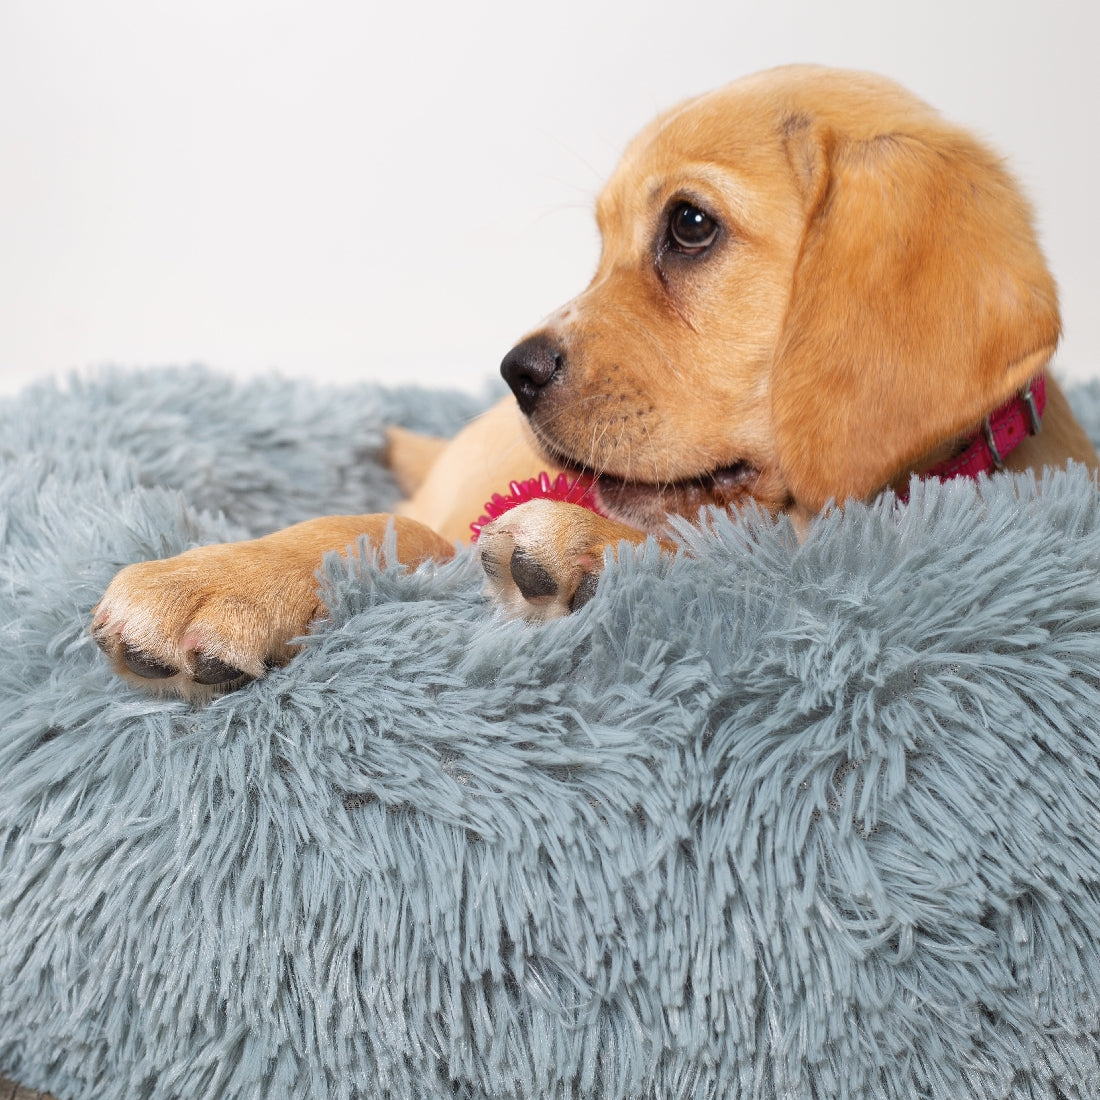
691,230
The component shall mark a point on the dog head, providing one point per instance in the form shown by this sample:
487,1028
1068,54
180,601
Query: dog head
809,285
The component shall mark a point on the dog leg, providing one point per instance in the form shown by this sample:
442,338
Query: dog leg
411,455
211,619
542,559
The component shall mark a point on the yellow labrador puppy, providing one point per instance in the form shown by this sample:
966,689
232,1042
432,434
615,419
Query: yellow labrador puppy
811,288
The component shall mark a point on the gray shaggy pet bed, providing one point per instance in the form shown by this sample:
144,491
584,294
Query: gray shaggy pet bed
813,821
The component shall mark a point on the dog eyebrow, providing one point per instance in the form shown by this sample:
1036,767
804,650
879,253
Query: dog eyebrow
722,192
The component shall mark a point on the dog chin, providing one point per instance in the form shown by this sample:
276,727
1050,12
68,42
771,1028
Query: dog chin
647,506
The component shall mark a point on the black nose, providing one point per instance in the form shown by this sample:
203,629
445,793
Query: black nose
530,366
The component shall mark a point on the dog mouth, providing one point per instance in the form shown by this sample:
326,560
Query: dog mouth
647,505
684,496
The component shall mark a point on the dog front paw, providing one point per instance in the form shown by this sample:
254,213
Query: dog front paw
211,619
543,559
204,622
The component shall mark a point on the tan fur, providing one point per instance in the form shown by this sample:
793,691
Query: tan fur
876,290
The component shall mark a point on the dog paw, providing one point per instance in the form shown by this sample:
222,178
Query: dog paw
211,619
543,559
205,622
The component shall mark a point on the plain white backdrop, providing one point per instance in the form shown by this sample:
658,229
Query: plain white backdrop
341,190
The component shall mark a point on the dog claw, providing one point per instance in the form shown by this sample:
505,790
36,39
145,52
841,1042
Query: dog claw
149,668
212,671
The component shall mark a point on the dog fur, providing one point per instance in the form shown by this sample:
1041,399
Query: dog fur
811,287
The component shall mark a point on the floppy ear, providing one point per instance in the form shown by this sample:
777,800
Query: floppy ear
920,303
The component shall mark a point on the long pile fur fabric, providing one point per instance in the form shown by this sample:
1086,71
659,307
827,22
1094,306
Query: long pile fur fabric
770,820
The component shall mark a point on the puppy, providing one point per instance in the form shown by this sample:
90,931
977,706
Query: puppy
811,288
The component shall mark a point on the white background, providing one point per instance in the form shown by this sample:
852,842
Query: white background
400,190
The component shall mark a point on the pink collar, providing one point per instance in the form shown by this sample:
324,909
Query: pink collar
1002,431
